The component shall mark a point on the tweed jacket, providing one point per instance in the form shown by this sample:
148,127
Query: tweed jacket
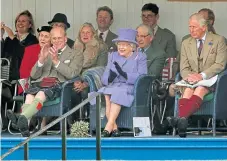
110,36
70,66
155,61
165,40
212,60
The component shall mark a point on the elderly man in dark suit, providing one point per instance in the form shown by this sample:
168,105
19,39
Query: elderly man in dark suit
156,56
163,38
104,20
60,20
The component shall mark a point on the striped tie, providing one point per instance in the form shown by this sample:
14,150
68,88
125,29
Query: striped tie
200,46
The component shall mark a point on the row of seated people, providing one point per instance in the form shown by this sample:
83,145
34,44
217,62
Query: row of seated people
143,39
13,46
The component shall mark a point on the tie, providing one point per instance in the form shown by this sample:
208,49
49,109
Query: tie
142,50
100,36
200,46
59,51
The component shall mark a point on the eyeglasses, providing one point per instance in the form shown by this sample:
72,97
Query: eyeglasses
142,36
147,16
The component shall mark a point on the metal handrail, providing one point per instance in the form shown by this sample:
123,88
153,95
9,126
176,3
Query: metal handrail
98,126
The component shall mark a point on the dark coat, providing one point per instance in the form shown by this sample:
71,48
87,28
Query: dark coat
14,51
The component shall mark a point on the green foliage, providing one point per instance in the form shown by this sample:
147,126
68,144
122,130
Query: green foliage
79,129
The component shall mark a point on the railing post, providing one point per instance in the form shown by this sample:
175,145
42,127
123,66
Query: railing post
26,151
63,136
98,127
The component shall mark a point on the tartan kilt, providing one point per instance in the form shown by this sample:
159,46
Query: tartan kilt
51,93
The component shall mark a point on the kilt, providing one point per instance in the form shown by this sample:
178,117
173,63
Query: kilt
51,93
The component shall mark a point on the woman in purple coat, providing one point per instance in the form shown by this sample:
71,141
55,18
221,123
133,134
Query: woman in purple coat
122,70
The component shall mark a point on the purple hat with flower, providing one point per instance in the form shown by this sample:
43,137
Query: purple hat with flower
126,34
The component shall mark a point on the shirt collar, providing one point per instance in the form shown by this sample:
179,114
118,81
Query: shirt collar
104,34
144,49
203,38
62,50
155,29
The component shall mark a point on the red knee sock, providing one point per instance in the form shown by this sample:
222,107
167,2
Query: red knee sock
182,102
190,107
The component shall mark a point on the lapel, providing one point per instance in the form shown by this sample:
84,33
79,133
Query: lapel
158,35
192,47
65,54
110,36
207,46
150,52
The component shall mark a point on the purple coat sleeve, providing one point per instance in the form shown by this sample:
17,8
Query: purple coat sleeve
107,70
142,69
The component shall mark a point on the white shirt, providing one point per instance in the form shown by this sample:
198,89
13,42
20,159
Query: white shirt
104,34
203,39
40,64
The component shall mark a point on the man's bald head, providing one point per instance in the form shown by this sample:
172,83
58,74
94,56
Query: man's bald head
58,37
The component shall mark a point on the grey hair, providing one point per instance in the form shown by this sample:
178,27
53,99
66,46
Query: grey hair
199,17
149,29
133,46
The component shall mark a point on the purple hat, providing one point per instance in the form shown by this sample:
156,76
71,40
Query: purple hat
126,34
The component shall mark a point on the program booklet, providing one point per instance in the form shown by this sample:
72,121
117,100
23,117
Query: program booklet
205,83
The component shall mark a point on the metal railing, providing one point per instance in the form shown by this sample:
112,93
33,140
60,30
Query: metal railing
64,131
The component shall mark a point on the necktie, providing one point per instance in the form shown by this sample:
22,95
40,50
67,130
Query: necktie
142,50
200,46
100,35
59,51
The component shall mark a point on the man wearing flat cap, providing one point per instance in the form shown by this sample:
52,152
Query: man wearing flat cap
163,38
60,20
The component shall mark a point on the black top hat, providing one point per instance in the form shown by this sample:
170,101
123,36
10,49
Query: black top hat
44,28
60,17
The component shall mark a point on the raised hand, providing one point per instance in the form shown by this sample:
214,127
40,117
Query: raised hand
44,53
112,76
7,30
120,71
54,54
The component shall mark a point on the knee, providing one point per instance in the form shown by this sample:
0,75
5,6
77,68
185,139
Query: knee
201,91
41,95
29,97
172,90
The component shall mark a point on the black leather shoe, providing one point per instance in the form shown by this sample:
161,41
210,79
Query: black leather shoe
182,125
105,133
116,133
13,118
22,124
172,121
